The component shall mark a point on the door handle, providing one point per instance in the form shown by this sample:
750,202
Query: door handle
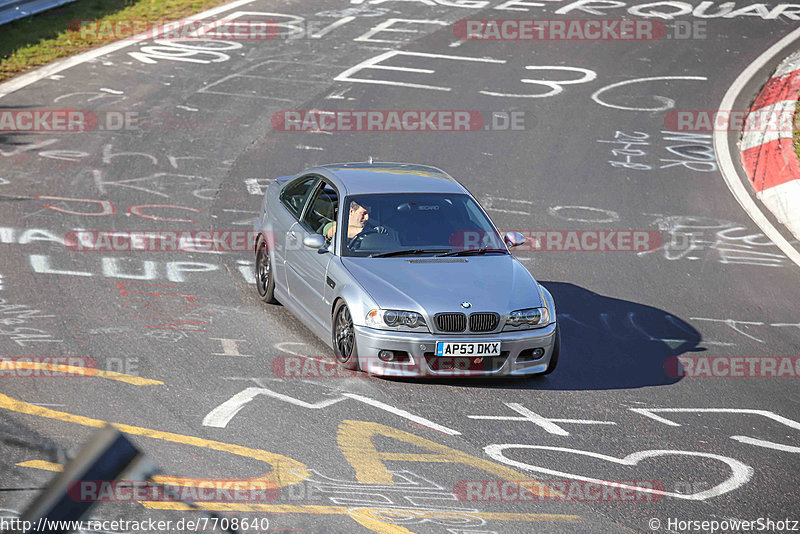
291,235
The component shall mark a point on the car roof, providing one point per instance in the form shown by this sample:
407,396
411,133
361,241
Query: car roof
364,178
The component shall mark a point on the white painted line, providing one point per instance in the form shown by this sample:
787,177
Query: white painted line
230,347
647,413
527,415
725,159
716,343
220,416
284,344
515,212
766,444
325,31
505,199
769,415
403,69
402,413
26,79
338,95
583,421
386,26
548,425
373,63
667,102
740,473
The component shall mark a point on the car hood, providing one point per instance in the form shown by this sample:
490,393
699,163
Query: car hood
432,285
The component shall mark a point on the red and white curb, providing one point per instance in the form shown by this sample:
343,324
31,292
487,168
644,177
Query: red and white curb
768,154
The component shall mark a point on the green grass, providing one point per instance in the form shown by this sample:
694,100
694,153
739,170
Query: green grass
43,38
796,132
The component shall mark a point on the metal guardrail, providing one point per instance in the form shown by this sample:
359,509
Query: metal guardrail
17,9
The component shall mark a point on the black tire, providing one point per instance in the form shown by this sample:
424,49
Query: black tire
344,337
265,279
556,353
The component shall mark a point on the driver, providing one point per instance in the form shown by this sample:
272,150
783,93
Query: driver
357,218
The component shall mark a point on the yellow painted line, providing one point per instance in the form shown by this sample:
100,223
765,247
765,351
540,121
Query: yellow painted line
241,507
370,513
511,516
83,371
357,443
285,470
372,521
41,464
378,514
355,440
380,527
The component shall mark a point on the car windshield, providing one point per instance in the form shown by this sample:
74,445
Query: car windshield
387,225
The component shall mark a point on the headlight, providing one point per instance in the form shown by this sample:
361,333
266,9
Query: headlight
395,319
528,318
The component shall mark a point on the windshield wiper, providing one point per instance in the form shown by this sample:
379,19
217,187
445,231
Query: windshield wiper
474,251
409,252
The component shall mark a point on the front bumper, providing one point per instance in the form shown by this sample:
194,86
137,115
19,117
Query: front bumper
421,348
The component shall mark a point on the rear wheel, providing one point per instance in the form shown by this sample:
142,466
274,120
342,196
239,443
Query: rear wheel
344,337
556,352
265,280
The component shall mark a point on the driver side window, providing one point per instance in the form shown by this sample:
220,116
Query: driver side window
321,213
295,194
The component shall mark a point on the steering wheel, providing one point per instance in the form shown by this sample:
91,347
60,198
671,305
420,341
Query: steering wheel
355,242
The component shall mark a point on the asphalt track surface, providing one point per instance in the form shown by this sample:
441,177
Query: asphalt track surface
716,288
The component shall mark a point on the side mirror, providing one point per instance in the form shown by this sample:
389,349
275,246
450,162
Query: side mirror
316,241
513,239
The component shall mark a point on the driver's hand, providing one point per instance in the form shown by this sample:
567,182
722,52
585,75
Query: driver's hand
381,230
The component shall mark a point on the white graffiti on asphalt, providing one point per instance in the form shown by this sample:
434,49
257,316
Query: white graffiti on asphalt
694,150
16,314
685,236
739,476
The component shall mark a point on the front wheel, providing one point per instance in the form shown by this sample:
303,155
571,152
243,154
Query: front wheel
556,352
265,279
344,337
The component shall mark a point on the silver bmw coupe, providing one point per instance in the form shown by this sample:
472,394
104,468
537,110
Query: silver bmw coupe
399,269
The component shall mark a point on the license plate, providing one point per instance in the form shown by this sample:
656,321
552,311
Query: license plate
449,348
